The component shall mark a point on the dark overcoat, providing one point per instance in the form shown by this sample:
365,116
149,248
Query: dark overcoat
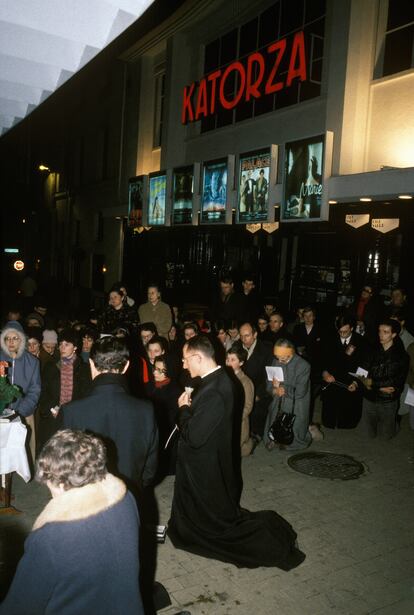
126,424
50,395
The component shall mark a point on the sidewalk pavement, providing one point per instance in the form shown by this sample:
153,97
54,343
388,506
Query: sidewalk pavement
358,536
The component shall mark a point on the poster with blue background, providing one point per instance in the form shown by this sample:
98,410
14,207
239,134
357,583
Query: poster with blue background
214,198
156,203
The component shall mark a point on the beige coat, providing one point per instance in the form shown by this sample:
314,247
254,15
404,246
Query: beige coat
159,314
246,442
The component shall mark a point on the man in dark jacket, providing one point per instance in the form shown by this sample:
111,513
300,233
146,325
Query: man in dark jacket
259,354
307,338
229,305
387,367
126,424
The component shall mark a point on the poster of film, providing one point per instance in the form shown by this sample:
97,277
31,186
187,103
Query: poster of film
135,201
303,185
214,197
156,201
182,208
253,193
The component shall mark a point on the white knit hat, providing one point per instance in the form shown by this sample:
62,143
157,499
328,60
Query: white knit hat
50,336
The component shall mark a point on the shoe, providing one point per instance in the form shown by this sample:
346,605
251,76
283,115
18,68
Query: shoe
316,433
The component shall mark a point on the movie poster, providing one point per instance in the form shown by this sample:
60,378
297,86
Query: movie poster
182,207
214,198
253,193
156,201
303,179
135,201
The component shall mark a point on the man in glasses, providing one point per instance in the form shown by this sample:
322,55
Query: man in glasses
206,517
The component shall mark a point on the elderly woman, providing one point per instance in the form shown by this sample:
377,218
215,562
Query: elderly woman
292,394
82,554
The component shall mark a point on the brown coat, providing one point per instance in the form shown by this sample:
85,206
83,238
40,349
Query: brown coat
246,442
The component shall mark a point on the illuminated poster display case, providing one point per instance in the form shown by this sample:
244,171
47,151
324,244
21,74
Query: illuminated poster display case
303,179
214,192
253,187
136,198
182,195
157,199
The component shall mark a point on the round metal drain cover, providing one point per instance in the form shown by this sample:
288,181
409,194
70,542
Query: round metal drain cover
326,465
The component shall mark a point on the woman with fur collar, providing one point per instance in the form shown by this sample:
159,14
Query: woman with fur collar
82,554
24,368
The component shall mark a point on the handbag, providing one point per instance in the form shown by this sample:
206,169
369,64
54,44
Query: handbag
281,430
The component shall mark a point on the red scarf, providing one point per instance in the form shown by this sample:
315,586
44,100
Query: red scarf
163,383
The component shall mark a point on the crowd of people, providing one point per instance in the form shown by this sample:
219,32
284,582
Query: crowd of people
190,394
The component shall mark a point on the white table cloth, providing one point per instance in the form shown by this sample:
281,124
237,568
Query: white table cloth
13,457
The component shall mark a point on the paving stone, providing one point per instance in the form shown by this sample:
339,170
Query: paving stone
358,536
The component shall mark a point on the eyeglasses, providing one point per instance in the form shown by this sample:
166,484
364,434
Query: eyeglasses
184,359
12,339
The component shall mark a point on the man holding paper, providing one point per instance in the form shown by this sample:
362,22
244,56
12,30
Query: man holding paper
289,384
341,393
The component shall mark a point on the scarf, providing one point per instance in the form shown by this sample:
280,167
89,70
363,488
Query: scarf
163,383
66,380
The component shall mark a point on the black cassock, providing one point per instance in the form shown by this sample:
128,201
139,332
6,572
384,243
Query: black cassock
206,517
340,407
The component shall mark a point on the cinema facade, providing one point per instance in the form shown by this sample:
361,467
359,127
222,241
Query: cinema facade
279,141
273,137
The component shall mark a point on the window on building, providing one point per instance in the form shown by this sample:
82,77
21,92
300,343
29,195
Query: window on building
159,97
282,19
397,51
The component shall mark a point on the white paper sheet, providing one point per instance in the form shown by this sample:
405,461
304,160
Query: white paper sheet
360,373
274,371
409,398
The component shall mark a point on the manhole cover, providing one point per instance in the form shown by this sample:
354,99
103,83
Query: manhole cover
326,465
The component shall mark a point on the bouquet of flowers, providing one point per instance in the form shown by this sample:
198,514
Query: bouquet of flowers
8,392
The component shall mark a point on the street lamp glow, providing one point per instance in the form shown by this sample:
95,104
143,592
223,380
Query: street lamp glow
43,167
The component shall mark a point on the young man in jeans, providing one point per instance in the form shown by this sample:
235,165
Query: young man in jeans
387,370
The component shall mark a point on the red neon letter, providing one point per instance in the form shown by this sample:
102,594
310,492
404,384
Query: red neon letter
279,47
213,78
298,48
252,89
187,105
232,103
201,108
